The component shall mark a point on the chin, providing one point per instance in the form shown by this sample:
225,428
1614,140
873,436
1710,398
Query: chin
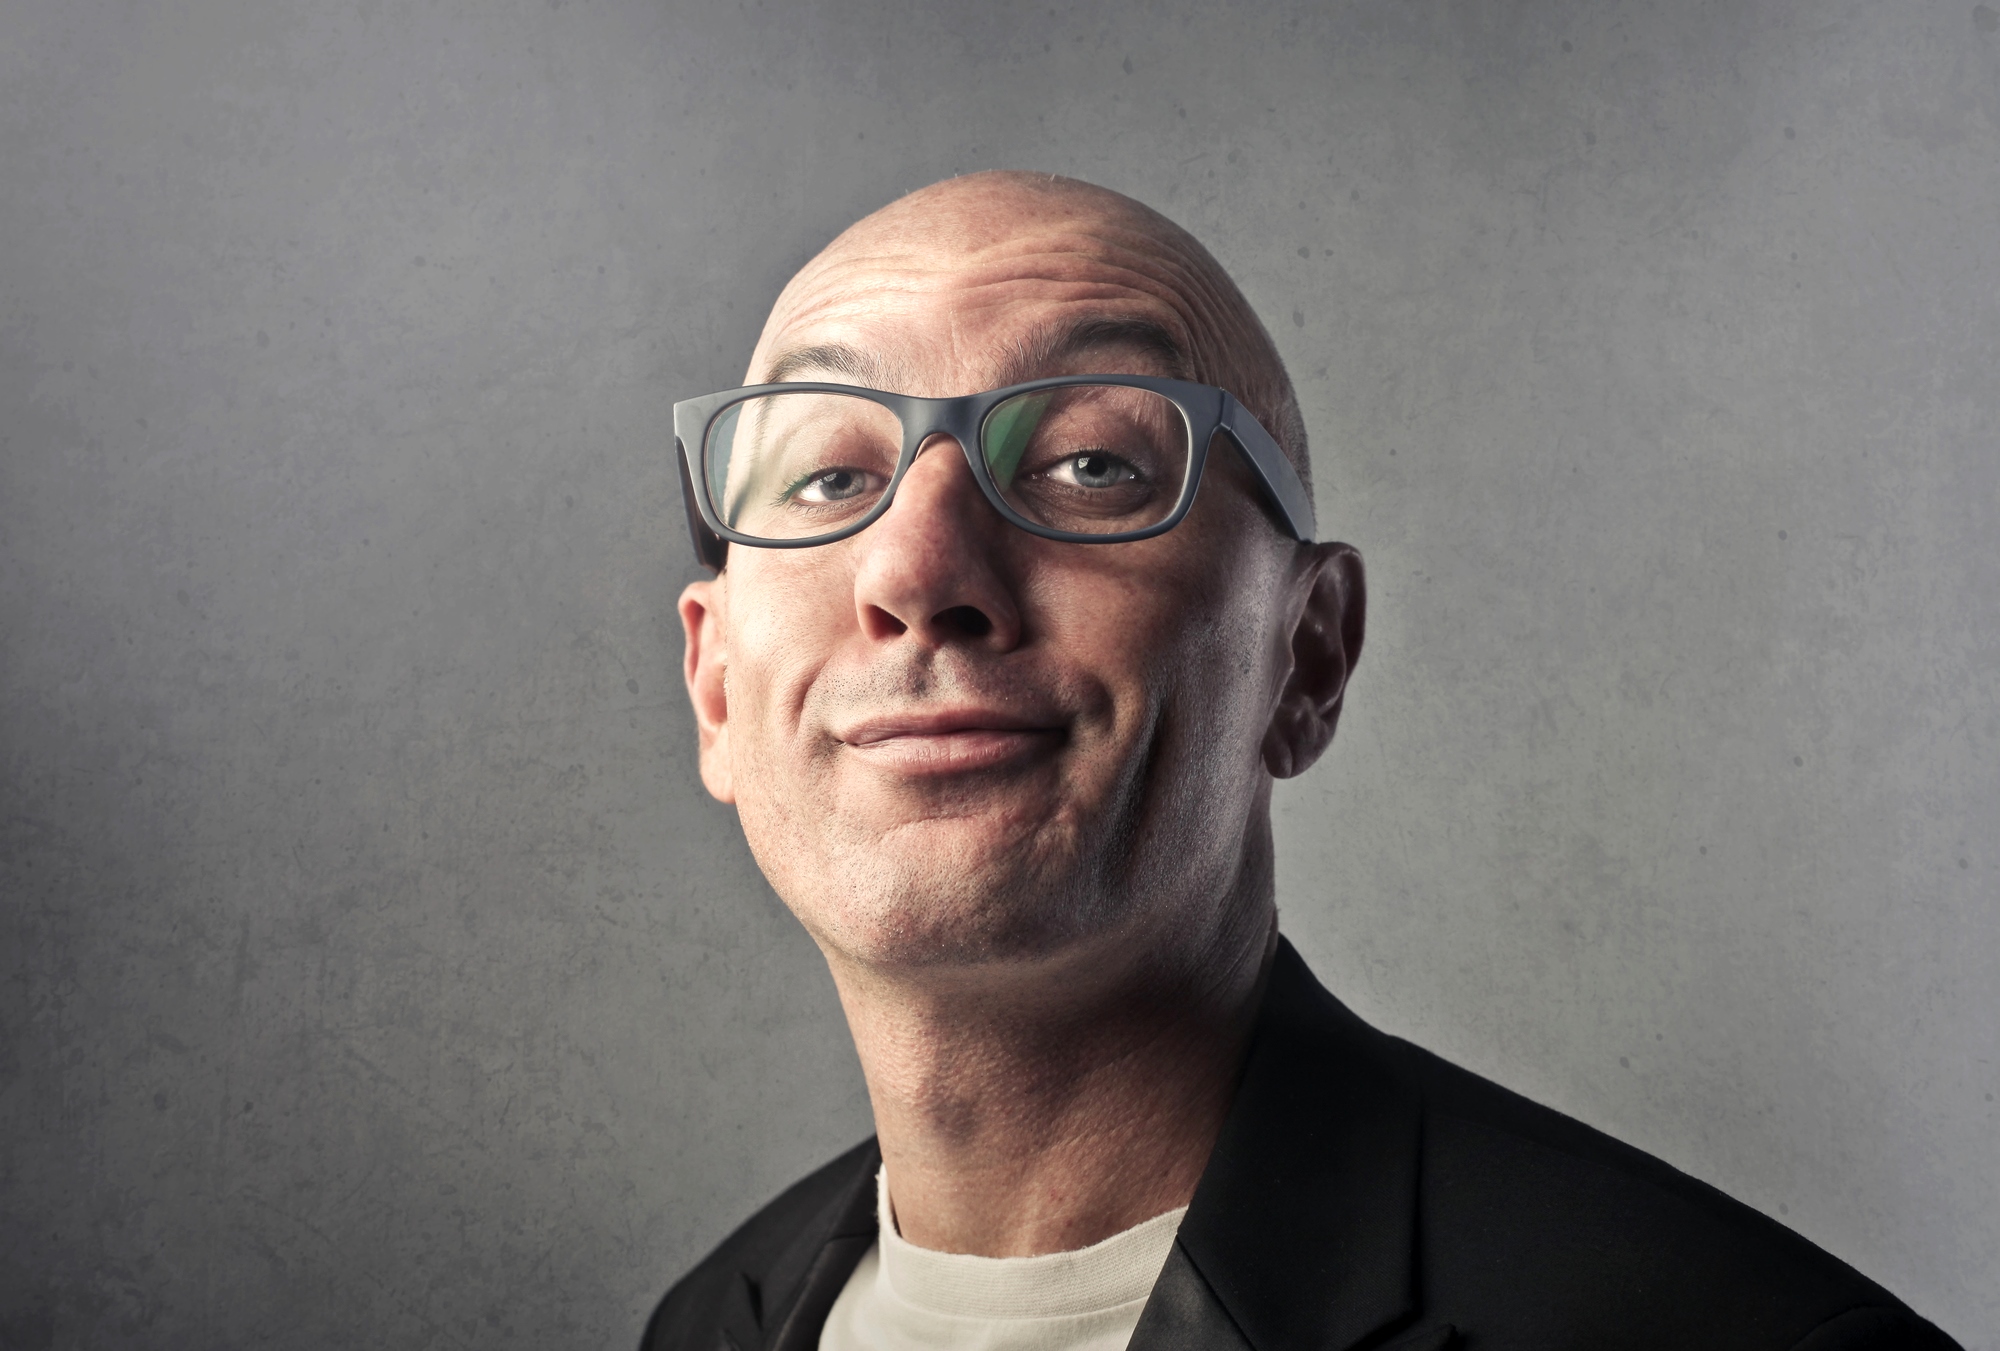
945,902
979,874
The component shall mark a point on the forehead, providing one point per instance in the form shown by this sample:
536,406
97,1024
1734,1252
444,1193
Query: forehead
947,304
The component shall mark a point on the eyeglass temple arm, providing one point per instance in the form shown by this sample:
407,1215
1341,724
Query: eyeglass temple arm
710,548
1273,469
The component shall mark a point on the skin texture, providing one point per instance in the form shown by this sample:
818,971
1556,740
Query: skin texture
1019,790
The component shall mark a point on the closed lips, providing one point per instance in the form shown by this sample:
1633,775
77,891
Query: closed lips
875,731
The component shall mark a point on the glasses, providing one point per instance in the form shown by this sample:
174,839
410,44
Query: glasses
1093,459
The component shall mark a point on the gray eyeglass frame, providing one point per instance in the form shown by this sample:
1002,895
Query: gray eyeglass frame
1205,408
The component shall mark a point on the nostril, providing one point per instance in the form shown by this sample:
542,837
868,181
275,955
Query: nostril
967,621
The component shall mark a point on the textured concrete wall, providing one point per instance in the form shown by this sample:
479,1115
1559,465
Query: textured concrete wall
376,974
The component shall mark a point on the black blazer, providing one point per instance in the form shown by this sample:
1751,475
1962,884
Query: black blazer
1365,1194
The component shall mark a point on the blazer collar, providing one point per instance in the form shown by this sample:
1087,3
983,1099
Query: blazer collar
1302,1233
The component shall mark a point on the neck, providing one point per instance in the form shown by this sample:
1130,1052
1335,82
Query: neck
1041,1106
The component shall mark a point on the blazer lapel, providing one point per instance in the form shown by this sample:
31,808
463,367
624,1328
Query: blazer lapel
789,1307
1183,1314
742,1328
1302,1233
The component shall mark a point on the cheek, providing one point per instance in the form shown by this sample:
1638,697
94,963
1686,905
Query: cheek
1214,627
784,626
784,605
1179,636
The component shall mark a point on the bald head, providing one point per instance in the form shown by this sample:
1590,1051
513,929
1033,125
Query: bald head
976,244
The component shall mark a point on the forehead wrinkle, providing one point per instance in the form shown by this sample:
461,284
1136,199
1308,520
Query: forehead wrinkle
929,268
1165,267
865,288
844,326
1048,346
1206,326
1086,251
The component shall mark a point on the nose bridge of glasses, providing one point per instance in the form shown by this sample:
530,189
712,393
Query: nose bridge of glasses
925,420
928,421
941,477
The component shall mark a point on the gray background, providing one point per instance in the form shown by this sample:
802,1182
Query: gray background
375,972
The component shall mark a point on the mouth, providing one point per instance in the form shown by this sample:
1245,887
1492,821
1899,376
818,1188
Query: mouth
951,741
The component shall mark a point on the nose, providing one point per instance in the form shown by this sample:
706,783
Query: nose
933,566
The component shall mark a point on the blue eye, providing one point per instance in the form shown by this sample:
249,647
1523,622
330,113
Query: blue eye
1092,469
834,485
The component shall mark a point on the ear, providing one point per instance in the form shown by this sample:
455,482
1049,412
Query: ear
705,669
1326,642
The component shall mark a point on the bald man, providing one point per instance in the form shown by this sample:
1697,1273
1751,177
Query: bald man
1018,613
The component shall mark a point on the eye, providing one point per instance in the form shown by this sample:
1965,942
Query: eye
1092,469
835,485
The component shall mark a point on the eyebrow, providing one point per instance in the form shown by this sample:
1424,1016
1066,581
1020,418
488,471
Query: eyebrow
834,358
1052,345
1058,344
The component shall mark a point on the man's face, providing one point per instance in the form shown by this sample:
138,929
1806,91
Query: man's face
950,741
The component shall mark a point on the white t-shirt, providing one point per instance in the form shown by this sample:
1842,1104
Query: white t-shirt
905,1298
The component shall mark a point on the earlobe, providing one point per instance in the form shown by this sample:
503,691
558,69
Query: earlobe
705,669
1325,643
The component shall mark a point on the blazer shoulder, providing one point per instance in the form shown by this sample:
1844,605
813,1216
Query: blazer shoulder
1456,1097
1451,1090
1557,1195
1875,1328
741,1268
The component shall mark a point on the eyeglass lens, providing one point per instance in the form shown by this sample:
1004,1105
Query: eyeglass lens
1088,459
